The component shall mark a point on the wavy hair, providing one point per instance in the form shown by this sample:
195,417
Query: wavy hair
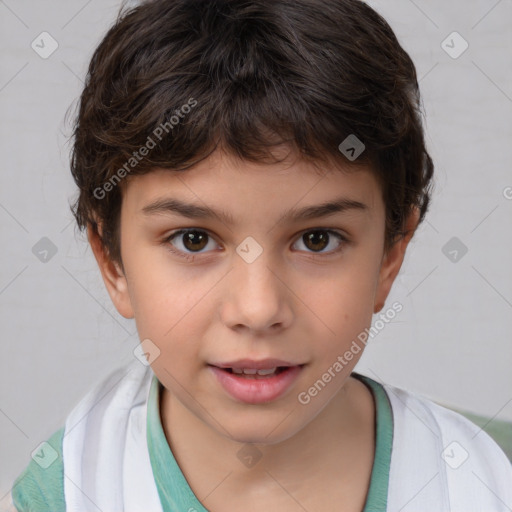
306,73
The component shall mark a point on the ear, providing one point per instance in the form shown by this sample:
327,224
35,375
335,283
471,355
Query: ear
113,276
392,261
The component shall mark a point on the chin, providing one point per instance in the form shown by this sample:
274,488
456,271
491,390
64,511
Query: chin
260,433
260,439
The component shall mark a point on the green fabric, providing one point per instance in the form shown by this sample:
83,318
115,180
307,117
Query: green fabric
173,489
38,489
175,493
377,498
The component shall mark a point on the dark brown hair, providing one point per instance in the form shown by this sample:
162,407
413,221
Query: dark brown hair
245,76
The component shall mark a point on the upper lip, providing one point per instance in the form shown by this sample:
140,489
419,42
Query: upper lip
262,364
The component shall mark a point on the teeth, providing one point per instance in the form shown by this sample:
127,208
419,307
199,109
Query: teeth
253,371
267,372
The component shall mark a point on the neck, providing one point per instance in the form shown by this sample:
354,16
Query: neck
336,438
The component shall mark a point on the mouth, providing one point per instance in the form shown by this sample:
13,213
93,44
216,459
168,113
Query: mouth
253,373
251,385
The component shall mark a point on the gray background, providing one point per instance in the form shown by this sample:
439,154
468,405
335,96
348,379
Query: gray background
60,331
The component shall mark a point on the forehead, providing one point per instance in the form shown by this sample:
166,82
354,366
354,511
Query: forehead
241,188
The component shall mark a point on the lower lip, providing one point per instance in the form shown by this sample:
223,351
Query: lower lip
254,390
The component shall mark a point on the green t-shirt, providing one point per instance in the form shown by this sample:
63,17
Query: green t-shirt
38,489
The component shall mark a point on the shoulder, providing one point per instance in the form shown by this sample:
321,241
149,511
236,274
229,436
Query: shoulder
41,485
448,425
471,471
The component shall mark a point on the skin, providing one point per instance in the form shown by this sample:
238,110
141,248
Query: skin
296,302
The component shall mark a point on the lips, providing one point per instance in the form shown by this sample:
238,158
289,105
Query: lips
252,373
262,364
256,382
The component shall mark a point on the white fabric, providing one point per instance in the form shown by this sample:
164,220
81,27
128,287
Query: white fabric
105,454
107,465
473,475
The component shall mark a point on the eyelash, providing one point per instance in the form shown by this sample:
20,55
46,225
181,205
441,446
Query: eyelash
192,256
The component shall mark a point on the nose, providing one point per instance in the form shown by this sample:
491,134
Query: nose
256,296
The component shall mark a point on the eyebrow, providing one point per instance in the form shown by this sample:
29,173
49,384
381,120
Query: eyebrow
193,211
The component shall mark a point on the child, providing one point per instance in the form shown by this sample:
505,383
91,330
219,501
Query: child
284,138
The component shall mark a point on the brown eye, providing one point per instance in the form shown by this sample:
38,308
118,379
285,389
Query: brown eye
188,242
317,240
194,240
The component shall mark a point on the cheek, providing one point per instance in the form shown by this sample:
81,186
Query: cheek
343,309
160,293
175,312
346,297
173,324
170,314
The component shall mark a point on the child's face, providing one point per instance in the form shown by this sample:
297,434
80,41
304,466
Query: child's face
301,300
